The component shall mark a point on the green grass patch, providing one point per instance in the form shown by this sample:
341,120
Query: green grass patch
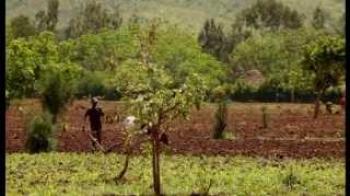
92,174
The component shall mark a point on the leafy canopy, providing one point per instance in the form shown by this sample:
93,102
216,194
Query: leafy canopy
325,58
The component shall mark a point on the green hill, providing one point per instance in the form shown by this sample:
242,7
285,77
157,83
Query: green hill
189,13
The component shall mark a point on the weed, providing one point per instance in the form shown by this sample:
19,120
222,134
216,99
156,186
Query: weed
291,180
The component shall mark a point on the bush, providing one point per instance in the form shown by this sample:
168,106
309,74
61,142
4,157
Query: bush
56,92
269,92
40,134
220,121
111,93
243,91
93,84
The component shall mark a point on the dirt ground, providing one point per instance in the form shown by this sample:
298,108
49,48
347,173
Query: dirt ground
291,131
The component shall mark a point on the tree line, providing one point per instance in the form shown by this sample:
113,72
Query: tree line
268,36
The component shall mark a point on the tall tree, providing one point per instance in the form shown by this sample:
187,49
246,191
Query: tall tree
47,21
213,40
272,15
319,18
52,14
92,18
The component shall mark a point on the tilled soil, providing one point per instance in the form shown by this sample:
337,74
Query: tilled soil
291,131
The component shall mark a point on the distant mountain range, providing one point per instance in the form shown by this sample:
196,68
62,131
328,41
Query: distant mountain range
187,13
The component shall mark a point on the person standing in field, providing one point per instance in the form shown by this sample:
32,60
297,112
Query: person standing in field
95,114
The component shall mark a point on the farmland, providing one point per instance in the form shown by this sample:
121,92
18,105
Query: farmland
292,132
92,174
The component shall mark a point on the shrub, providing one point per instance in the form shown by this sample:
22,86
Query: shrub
242,91
91,84
220,121
56,92
290,180
94,84
111,93
40,134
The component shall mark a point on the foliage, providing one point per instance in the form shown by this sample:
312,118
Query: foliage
56,91
178,52
153,91
277,56
154,97
27,61
325,59
90,85
40,134
96,84
22,26
231,175
20,69
220,120
104,51
92,18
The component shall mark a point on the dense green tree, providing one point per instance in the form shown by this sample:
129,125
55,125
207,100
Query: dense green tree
175,49
179,53
22,26
103,51
325,58
27,61
277,55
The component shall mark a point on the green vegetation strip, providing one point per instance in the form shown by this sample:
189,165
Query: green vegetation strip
92,174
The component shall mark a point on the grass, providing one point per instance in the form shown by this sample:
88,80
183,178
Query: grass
92,174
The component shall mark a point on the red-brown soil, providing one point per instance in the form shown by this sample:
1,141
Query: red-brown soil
291,132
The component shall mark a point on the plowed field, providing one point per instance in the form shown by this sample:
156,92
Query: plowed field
291,132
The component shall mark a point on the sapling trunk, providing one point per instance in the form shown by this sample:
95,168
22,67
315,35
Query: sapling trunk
156,161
